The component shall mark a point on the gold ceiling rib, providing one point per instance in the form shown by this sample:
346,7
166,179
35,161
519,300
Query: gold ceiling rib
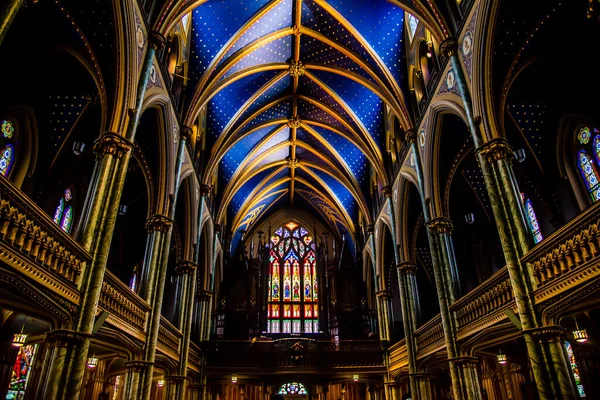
218,153
232,40
257,194
404,117
249,103
330,195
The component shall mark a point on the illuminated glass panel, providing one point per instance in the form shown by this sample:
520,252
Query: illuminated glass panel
6,159
292,281
8,129
21,372
532,220
413,22
292,388
59,211
575,369
589,175
67,220
63,214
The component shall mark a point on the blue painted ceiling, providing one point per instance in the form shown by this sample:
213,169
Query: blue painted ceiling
241,53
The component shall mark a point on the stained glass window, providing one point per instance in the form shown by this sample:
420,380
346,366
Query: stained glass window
589,174
532,220
133,280
8,129
292,291
575,369
292,388
413,22
63,214
21,371
6,159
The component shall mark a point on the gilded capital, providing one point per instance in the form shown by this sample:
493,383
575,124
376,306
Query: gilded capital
440,225
157,40
292,162
185,133
384,294
494,150
138,365
186,268
158,223
407,268
370,228
204,190
465,360
386,191
550,333
203,295
410,136
113,144
65,337
296,68
448,47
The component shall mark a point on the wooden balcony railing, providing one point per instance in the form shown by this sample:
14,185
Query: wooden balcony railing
572,246
34,245
169,335
123,304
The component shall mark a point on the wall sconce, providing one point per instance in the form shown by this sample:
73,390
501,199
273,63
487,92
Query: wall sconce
92,362
161,383
78,148
580,335
520,155
234,379
19,338
123,209
470,218
501,357
355,377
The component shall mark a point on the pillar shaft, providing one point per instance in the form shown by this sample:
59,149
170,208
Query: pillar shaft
187,272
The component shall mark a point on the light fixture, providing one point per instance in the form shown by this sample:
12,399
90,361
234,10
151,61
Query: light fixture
520,155
161,383
355,377
429,49
580,335
19,338
123,209
78,148
501,357
233,378
470,218
92,362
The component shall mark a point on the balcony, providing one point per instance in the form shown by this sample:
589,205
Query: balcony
566,262
293,354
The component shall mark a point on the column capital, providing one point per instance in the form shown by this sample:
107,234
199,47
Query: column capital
384,294
421,376
185,133
440,225
464,360
496,149
370,228
157,40
448,47
407,268
113,144
158,223
204,190
65,337
176,378
185,268
203,295
552,333
386,191
410,136
138,365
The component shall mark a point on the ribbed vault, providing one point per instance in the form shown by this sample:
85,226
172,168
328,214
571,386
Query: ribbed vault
294,95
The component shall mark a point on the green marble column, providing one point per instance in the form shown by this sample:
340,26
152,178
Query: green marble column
174,385
423,381
437,231
186,270
384,298
135,370
8,12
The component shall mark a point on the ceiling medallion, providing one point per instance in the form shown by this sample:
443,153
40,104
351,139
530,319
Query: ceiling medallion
422,138
139,35
450,79
467,44
296,68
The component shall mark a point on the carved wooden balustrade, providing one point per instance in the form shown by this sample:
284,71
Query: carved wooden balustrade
169,336
32,244
127,309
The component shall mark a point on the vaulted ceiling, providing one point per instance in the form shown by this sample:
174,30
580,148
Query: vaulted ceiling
297,95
